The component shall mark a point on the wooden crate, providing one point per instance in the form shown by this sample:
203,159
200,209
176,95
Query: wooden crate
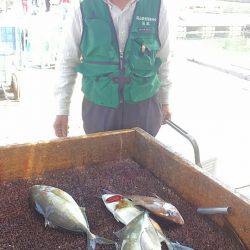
31,160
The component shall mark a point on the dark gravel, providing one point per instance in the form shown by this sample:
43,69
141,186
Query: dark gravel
22,228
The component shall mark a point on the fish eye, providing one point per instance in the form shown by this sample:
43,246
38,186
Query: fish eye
171,213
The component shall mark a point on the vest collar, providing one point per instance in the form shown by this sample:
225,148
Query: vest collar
129,4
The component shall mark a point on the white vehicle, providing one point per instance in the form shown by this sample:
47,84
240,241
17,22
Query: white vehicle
11,47
9,86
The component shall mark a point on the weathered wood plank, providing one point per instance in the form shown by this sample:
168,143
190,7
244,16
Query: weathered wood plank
27,160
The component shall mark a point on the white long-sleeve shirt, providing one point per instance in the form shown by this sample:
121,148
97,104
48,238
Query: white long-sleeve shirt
70,51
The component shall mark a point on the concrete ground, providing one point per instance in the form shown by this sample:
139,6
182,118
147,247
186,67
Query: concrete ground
212,106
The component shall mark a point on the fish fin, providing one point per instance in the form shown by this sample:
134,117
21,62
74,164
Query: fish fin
164,239
119,233
116,218
158,197
39,209
46,223
172,245
178,246
99,196
83,210
95,239
49,223
139,206
47,213
106,191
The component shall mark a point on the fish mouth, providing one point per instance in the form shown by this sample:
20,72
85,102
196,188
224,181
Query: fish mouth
179,220
36,188
176,219
33,192
107,191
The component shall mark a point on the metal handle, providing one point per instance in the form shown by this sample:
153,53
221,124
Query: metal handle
190,138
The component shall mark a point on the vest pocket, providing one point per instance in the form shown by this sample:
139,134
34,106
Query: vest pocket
143,56
101,92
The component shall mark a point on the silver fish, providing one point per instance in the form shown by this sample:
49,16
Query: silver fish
139,234
60,210
124,211
158,207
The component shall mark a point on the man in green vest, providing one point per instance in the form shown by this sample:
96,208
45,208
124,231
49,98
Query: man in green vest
121,48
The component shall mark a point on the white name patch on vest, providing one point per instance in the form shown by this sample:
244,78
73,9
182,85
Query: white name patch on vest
146,20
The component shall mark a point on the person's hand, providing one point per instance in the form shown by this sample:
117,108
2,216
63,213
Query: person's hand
61,126
166,114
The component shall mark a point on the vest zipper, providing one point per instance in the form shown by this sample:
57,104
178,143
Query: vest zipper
121,62
121,53
121,59
117,42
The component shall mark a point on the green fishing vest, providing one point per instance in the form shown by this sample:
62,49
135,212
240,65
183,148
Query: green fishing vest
111,77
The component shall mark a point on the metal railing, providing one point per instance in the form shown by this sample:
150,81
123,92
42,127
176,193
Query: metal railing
203,32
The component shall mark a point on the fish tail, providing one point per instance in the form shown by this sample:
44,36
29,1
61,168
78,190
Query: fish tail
95,239
107,191
175,245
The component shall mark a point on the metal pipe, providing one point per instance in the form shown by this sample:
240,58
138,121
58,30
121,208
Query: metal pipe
190,138
246,186
215,210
